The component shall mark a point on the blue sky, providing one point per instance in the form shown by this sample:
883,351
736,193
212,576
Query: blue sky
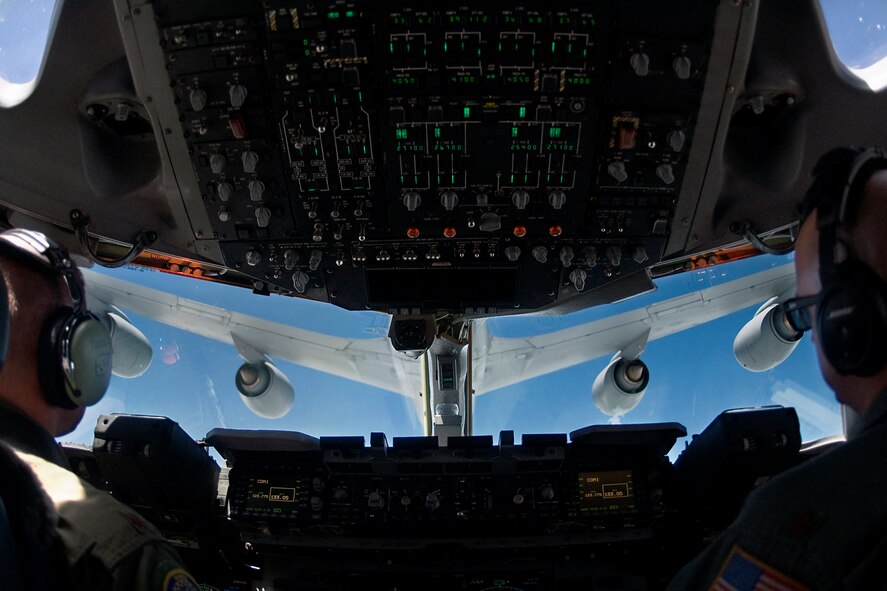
694,374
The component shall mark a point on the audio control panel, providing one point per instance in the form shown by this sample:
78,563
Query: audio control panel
437,156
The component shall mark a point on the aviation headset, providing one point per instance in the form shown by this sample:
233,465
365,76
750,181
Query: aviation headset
851,309
74,347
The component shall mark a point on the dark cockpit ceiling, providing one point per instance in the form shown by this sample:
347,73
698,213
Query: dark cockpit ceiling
417,157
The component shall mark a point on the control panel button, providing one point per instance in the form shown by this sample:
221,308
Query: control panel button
665,173
449,199
512,253
577,278
300,281
540,253
290,259
676,139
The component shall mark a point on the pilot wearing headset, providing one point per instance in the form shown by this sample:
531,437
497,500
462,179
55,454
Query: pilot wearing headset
823,524
56,360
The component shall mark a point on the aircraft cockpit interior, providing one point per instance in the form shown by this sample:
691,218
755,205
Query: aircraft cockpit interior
436,168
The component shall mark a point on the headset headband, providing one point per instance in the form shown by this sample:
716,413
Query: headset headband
833,213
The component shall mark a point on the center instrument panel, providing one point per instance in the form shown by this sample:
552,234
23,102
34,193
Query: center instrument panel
602,508
409,156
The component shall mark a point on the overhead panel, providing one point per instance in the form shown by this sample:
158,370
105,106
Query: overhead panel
436,156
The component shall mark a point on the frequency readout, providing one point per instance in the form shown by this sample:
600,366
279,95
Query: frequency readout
279,496
606,491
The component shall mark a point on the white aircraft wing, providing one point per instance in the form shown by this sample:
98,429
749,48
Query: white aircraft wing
370,361
500,362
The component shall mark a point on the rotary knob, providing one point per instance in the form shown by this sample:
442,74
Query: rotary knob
290,259
640,63
237,94
263,216
665,173
253,258
676,139
225,191
617,171
432,501
577,277
547,493
518,499
483,199
217,163
412,200
449,199
557,199
224,215
375,500
520,199
566,256
300,281
589,253
250,160
198,99
540,253
512,253
340,494
314,260
639,254
490,222
256,190
682,67
614,255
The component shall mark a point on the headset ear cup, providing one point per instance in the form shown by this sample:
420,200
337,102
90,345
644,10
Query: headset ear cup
74,359
49,361
851,321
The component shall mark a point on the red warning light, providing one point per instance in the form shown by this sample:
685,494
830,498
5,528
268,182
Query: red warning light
412,232
555,231
449,232
520,231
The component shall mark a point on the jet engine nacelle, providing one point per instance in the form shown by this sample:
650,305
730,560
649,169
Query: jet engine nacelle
620,386
132,351
264,389
766,340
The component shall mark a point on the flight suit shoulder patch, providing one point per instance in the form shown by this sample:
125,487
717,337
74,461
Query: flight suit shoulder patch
743,572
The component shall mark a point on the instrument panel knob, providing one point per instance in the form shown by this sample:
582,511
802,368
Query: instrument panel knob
217,163
253,257
557,199
237,93
449,199
540,253
520,199
197,97
640,63
412,200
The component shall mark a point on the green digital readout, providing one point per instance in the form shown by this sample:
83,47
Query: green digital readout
606,491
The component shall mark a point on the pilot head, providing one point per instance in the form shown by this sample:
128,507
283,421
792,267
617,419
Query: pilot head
58,355
842,273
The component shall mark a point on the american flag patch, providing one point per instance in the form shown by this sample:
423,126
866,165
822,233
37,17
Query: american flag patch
743,572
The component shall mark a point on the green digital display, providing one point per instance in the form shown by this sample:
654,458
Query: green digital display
606,491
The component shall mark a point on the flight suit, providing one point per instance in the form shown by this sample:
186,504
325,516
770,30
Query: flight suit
107,545
821,525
